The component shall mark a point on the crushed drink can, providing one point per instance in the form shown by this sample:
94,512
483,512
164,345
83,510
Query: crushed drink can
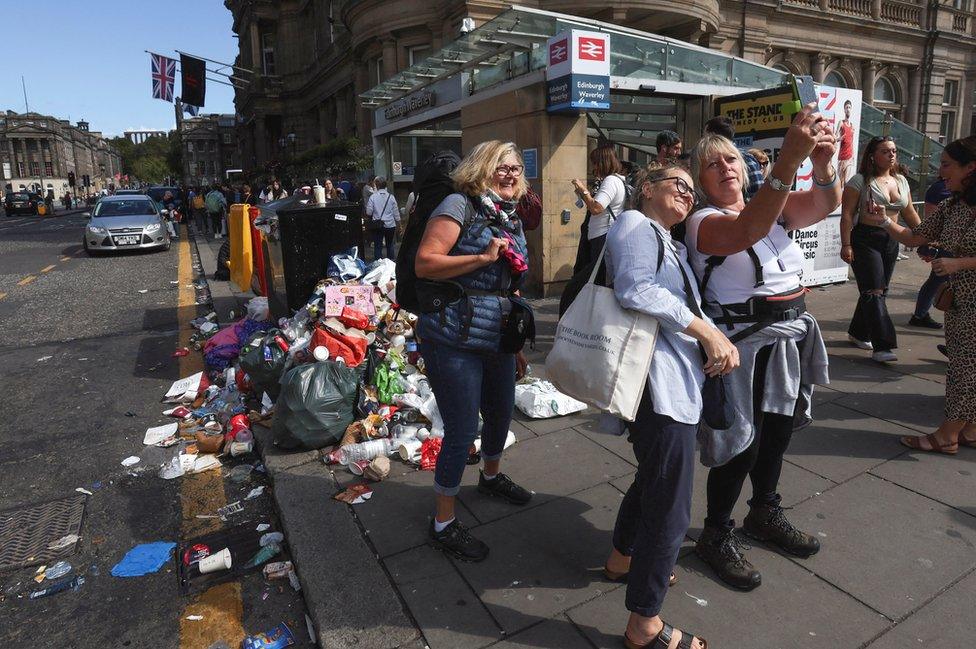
241,448
276,638
277,569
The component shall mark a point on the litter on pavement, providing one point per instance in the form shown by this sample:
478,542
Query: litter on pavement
143,559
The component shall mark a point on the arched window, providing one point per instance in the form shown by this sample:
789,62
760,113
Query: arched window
835,79
782,68
884,91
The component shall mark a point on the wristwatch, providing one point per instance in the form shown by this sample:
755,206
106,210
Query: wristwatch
778,184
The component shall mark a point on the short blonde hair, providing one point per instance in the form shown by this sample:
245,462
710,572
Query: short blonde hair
475,173
707,148
653,171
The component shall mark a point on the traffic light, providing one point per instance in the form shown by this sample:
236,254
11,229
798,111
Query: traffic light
71,178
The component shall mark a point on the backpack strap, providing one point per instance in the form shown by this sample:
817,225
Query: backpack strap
660,248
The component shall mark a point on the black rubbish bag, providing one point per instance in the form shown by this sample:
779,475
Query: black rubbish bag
315,406
264,361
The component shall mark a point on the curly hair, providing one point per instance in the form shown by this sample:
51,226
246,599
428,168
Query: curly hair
476,172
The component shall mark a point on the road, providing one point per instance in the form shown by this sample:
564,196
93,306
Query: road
85,356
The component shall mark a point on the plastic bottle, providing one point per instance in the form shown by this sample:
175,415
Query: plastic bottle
263,555
366,450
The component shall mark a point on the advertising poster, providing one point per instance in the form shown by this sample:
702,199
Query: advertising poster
759,124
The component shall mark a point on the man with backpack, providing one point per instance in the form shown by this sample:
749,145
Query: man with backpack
216,206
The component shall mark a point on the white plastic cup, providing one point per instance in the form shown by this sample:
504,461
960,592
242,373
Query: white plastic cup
319,192
423,434
409,450
321,353
216,562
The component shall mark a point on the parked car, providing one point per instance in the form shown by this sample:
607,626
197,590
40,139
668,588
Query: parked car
130,192
127,222
20,203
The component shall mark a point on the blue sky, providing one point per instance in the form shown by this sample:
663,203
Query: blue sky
84,59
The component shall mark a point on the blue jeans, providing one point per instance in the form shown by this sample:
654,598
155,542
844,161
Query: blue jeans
465,383
926,294
389,234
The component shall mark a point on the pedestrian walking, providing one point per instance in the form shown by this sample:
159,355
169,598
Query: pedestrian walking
383,216
607,203
655,512
953,225
921,317
216,208
167,205
471,260
869,249
247,195
199,207
750,271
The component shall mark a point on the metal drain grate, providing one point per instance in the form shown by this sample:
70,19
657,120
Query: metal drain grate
26,533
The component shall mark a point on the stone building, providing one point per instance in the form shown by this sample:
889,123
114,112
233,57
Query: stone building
138,137
38,152
209,148
311,59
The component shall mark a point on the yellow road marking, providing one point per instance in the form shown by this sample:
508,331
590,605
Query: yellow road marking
48,269
27,280
66,259
221,606
2,295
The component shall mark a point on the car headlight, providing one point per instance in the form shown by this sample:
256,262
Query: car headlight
153,227
97,229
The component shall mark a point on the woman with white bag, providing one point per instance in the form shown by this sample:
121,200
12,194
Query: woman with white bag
651,275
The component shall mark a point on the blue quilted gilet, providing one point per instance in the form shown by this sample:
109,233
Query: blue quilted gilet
474,323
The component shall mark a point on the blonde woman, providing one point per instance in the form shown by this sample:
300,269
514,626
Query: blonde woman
469,266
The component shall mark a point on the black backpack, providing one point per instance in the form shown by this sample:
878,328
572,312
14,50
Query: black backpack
432,183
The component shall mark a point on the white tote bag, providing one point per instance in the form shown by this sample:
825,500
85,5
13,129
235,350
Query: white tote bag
602,352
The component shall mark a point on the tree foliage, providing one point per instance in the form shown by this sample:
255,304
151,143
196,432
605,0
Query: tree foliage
330,159
150,161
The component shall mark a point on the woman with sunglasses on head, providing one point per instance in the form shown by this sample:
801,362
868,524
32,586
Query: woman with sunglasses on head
650,274
953,225
750,280
869,249
469,265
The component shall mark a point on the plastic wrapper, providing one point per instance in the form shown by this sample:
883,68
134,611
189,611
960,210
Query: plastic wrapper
257,309
315,406
276,638
541,400
347,266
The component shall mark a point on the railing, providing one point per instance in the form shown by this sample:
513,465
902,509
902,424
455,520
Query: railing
900,12
904,13
853,7
960,23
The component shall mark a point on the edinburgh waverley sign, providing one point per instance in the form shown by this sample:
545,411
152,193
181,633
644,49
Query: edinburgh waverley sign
411,104
578,74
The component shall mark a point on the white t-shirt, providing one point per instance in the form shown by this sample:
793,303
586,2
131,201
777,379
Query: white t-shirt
735,280
612,195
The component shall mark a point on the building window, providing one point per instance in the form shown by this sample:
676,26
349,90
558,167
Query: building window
835,79
268,52
35,168
20,169
378,70
950,102
48,169
947,126
226,138
950,93
782,68
189,147
417,54
884,91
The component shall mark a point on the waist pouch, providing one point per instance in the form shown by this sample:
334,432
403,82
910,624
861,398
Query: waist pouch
436,296
763,310
518,327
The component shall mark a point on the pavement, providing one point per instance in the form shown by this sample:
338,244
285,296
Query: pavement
86,350
898,528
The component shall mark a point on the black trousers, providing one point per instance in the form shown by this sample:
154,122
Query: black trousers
762,460
655,513
875,254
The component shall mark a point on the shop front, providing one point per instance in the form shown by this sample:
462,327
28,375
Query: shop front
555,85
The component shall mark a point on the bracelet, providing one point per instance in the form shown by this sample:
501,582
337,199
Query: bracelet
887,222
827,185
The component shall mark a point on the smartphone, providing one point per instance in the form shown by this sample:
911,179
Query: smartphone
804,90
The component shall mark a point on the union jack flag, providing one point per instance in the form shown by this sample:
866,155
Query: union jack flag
163,76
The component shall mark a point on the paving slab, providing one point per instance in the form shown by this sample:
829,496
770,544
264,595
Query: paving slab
448,612
851,375
619,445
950,479
792,609
547,559
334,562
546,426
941,624
909,401
842,443
554,465
889,547
557,633
274,458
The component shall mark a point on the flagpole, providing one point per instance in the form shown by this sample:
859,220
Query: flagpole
228,65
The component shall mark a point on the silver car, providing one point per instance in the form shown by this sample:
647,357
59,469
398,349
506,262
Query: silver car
126,222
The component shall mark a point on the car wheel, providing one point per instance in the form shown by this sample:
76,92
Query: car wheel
88,251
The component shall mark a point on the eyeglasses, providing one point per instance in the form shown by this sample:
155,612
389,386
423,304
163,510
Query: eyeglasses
506,170
683,187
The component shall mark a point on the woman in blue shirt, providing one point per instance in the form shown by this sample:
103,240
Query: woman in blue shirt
656,510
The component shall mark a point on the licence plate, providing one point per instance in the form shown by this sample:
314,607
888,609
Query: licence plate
128,240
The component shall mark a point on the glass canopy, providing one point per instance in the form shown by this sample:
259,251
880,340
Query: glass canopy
513,44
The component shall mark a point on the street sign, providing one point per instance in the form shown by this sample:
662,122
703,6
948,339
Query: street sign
530,158
578,71
397,168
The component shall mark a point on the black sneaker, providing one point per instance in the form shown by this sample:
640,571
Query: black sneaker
925,321
721,549
944,350
456,540
768,523
503,487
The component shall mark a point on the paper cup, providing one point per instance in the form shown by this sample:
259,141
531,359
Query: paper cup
321,353
409,450
216,562
356,468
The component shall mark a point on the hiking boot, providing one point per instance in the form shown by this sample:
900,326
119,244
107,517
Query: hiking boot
926,321
720,548
456,540
768,523
503,487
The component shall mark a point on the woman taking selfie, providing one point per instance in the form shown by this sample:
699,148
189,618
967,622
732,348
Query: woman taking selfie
750,273
650,274
869,249
953,225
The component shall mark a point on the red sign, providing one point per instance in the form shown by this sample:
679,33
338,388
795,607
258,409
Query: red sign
591,49
559,51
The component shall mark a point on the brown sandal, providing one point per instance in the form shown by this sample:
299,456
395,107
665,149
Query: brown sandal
663,640
621,577
935,446
967,442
